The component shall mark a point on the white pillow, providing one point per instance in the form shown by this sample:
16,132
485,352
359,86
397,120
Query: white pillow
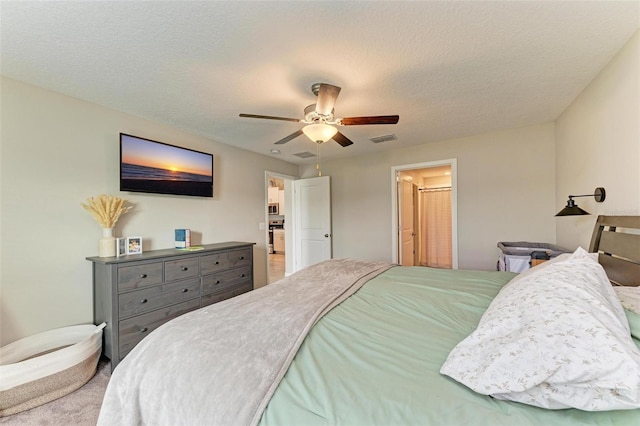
556,338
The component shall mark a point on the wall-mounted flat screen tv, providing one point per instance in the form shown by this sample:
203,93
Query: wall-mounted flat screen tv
160,168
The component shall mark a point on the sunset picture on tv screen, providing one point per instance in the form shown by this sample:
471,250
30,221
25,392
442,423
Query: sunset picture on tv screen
150,166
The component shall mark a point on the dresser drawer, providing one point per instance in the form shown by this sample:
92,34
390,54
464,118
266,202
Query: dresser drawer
134,329
137,276
213,263
240,258
148,299
180,269
227,294
217,282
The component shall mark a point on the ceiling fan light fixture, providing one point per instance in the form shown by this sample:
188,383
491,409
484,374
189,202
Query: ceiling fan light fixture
319,133
320,120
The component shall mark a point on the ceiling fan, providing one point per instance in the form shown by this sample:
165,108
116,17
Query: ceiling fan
320,118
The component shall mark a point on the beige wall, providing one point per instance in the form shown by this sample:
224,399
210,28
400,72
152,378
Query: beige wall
506,192
56,151
436,182
598,144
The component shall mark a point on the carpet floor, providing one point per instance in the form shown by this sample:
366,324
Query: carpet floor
79,408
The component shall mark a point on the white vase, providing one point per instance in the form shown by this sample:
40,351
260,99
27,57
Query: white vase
107,244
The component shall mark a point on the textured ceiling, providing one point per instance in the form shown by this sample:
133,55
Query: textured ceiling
449,69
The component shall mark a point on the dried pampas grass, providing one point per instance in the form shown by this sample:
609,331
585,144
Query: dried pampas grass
106,209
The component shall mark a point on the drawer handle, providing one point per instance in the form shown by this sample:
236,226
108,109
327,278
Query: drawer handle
144,330
184,290
184,268
217,282
241,257
217,262
243,275
143,275
143,301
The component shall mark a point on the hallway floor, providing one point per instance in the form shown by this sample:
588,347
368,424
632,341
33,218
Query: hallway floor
276,267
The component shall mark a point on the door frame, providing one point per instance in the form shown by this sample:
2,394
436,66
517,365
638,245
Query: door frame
452,162
289,237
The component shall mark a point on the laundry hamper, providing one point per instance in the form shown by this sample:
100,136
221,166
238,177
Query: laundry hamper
48,365
518,256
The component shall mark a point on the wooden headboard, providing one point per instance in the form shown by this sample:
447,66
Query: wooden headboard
619,249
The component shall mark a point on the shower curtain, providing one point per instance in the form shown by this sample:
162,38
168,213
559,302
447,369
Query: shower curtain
435,228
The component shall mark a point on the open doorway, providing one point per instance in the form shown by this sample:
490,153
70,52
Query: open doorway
279,229
276,237
298,231
425,210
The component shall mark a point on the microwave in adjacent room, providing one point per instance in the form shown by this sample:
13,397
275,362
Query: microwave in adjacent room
273,208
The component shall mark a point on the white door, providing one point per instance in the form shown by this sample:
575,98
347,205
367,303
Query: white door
407,223
313,221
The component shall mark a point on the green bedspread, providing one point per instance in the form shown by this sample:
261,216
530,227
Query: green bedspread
375,359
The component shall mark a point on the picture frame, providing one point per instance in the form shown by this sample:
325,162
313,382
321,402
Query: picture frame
121,246
134,245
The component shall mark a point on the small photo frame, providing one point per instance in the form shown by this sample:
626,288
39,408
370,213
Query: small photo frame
121,246
134,245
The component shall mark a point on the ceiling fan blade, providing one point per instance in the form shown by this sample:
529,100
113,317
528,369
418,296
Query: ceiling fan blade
270,117
327,95
290,137
377,119
342,139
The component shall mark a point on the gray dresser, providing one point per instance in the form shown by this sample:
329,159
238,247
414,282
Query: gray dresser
136,294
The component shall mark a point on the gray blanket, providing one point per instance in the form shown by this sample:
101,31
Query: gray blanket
220,365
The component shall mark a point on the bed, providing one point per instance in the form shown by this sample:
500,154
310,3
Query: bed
363,343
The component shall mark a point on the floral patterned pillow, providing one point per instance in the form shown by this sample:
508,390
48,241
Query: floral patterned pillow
556,338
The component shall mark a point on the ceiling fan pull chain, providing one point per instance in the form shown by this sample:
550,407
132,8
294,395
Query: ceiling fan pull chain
318,159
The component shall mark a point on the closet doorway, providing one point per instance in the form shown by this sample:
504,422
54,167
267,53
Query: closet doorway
425,215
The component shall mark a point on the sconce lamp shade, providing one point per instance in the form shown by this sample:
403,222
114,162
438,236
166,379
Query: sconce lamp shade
572,209
319,133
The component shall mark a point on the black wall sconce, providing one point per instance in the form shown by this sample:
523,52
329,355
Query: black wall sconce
572,209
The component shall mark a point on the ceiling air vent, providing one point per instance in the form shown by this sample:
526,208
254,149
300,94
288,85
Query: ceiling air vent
305,154
384,138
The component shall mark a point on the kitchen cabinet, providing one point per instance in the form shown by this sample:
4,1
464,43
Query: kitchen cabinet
281,200
278,241
273,194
